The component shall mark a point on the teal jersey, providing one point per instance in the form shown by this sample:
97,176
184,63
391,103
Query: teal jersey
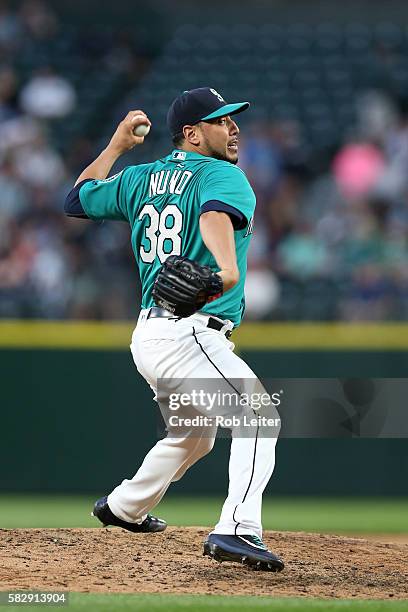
162,201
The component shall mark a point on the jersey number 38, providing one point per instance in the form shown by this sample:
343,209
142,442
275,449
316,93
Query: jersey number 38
163,232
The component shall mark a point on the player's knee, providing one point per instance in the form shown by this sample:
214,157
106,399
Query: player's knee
204,447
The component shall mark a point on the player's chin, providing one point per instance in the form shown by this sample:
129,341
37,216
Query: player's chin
232,154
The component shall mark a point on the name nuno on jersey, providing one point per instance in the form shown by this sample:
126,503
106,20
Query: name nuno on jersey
170,181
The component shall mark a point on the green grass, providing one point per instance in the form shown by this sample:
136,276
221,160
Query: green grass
346,515
200,603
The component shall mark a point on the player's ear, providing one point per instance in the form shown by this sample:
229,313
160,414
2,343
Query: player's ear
191,134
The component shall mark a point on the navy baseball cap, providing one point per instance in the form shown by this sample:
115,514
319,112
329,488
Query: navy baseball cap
197,105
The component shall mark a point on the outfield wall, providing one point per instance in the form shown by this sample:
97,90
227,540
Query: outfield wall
76,415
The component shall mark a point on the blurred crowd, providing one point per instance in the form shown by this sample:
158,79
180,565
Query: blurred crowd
331,238
52,266
331,228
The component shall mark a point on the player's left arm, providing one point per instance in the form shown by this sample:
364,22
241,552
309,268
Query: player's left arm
217,232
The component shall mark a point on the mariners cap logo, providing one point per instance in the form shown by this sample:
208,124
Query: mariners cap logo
219,96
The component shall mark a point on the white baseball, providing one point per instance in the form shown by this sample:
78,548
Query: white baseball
141,130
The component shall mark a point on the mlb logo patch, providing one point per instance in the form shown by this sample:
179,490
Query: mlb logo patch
180,155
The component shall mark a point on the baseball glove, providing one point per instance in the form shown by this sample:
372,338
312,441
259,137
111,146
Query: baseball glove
183,286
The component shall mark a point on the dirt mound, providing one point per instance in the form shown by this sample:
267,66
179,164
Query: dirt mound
114,561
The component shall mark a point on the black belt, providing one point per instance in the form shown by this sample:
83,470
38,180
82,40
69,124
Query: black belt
161,313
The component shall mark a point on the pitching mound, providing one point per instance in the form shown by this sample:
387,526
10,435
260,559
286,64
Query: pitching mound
114,561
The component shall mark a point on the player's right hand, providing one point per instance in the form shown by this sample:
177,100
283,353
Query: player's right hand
124,139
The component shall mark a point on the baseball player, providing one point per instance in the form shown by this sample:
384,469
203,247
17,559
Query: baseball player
191,216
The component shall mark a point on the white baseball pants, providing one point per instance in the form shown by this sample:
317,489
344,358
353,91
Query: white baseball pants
186,349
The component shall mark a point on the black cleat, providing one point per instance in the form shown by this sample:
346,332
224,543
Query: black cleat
151,524
246,549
